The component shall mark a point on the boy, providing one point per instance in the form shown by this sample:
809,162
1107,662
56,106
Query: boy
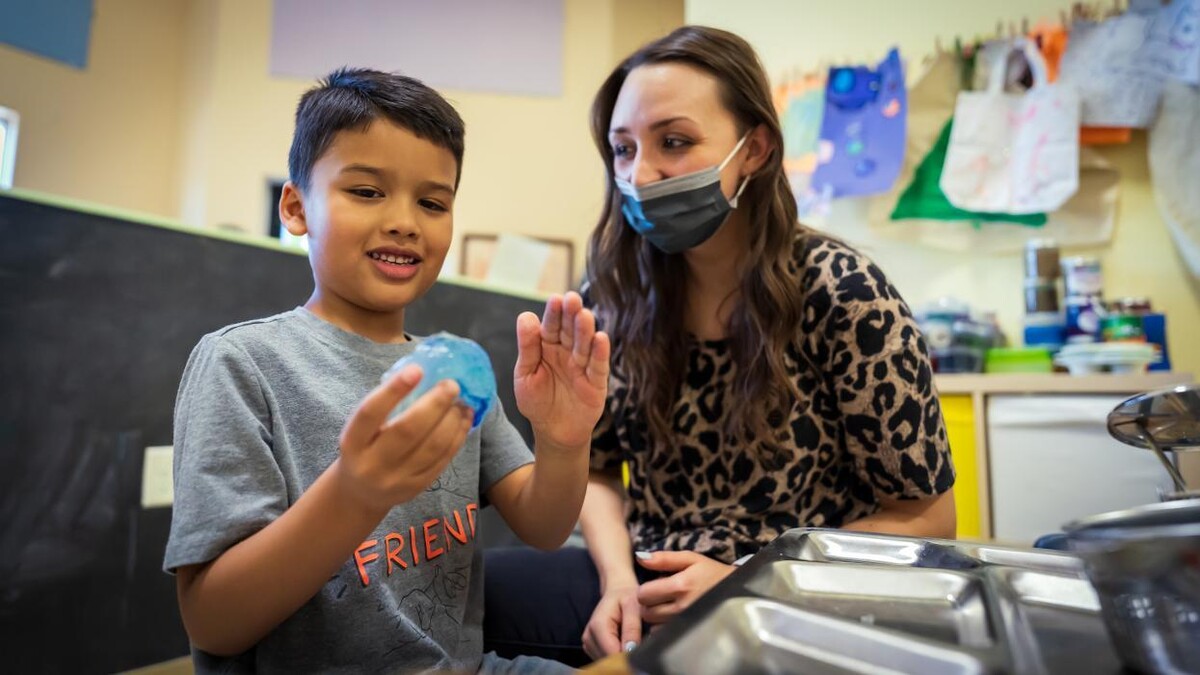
299,548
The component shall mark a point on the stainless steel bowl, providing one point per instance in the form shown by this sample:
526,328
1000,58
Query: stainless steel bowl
1144,563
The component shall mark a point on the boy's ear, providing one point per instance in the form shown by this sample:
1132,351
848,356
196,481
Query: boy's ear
291,210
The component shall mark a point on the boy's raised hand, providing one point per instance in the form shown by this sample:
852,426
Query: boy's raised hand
561,376
388,462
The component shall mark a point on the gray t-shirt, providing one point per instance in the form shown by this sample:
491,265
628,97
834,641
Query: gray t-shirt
258,416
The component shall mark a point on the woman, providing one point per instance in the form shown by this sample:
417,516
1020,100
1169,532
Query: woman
764,377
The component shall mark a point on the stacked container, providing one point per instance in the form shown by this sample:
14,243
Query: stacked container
1083,285
1043,318
1086,335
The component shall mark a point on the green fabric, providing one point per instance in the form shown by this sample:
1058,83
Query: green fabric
924,199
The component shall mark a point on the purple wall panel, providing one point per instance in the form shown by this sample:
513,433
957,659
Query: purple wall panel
502,46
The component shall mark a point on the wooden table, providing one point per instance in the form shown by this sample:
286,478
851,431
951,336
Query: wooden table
616,664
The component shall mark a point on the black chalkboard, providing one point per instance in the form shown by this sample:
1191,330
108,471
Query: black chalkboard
97,318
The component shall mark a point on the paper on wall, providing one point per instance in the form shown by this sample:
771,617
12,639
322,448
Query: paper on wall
1172,48
1175,169
518,262
1102,64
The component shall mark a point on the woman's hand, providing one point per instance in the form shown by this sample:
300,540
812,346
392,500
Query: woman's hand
614,623
561,376
691,575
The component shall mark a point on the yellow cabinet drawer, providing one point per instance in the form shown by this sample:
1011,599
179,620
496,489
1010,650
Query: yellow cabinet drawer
959,414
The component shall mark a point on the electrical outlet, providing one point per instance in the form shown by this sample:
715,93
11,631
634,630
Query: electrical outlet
158,485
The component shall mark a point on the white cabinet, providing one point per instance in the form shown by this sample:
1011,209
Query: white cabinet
1045,436
1052,461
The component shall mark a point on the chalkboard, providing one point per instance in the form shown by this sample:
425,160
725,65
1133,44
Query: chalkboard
97,317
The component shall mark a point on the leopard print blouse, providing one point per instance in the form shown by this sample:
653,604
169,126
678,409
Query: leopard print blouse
868,426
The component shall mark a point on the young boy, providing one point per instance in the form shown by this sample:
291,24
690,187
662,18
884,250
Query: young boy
310,532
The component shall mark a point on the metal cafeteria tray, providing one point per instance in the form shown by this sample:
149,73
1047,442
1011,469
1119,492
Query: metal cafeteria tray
830,601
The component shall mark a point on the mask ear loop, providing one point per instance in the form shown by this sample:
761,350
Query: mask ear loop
733,152
734,202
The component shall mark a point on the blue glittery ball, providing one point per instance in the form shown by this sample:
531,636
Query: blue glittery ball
447,357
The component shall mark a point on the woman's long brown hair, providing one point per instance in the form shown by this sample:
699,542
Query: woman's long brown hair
640,291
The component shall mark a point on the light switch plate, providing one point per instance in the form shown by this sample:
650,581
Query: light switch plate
158,486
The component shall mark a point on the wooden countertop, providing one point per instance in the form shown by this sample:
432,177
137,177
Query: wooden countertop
1057,383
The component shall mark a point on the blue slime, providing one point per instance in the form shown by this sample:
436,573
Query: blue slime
446,357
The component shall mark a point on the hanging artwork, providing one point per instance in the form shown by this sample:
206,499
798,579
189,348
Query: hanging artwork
924,216
800,103
1172,48
916,198
863,128
1175,169
1101,63
59,30
924,199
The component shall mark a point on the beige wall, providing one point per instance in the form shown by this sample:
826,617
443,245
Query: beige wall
1140,260
191,125
529,168
176,116
110,133
636,22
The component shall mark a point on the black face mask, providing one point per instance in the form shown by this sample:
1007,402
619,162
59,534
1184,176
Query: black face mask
679,213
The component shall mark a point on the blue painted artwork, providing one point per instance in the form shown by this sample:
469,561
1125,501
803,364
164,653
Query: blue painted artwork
862,130
55,29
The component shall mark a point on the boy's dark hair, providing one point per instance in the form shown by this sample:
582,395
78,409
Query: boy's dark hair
352,98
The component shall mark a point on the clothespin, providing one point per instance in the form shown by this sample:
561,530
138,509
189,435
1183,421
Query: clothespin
937,45
1062,18
1024,25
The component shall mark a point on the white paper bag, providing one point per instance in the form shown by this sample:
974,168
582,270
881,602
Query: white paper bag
1014,153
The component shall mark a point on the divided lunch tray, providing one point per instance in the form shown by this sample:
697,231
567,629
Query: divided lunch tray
831,601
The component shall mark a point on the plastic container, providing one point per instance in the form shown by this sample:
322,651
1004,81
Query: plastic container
1018,360
1131,305
1041,295
1107,357
1082,276
1083,314
937,320
973,334
1122,327
958,360
1041,259
1154,325
1045,329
